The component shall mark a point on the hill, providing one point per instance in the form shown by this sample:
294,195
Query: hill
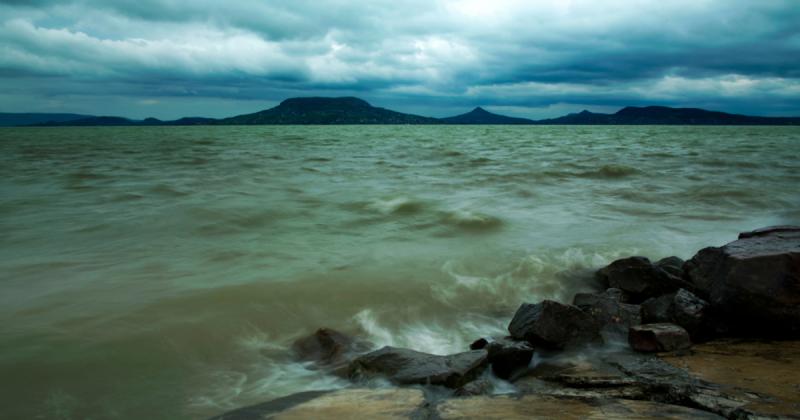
662,115
482,116
11,119
319,110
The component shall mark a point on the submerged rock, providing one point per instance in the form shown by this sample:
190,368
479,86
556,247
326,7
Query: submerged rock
327,346
753,283
554,325
639,278
405,366
658,338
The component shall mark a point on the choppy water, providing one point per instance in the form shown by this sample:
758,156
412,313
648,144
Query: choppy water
162,272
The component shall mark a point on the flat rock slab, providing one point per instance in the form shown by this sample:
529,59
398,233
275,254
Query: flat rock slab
658,337
548,407
408,367
765,376
388,404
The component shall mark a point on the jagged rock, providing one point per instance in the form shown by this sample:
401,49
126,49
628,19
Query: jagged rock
753,283
405,366
554,325
611,317
639,278
658,337
327,347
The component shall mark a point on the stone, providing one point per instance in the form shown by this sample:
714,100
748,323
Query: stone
639,278
672,265
406,367
388,404
611,316
683,308
508,356
753,283
550,407
481,386
327,346
658,338
587,299
553,325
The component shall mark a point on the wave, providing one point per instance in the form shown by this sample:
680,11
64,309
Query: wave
472,221
401,205
610,171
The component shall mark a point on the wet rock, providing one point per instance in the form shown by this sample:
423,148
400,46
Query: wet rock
401,403
405,366
658,338
612,318
479,343
327,347
639,278
509,356
753,283
587,299
672,265
481,386
554,325
682,308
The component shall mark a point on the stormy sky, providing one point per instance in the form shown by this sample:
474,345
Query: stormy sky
172,58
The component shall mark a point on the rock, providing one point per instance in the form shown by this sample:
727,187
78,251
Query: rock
753,283
672,265
327,347
682,308
508,356
658,337
387,404
550,407
639,278
405,366
612,318
588,299
554,325
479,343
480,386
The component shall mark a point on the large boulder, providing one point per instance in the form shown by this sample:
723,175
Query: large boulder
682,307
406,367
753,283
553,325
612,317
658,338
640,279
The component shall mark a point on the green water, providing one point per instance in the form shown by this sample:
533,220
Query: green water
162,272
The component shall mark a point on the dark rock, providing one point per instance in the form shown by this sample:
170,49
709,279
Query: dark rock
753,283
327,347
611,317
552,324
508,357
682,308
405,366
479,344
672,265
639,278
658,338
588,299
481,386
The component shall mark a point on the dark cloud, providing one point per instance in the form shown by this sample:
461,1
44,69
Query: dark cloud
523,56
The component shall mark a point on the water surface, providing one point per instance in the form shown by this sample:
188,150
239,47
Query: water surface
162,272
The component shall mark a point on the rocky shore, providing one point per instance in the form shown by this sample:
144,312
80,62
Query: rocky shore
717,336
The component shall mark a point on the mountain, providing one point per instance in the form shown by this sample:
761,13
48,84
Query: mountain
482,116
662,115
319,110
8,119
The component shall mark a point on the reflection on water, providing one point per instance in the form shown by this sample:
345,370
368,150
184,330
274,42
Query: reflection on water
162,272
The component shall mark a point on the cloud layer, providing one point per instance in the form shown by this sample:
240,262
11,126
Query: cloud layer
170,58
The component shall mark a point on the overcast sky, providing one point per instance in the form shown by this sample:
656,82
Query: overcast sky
172,58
